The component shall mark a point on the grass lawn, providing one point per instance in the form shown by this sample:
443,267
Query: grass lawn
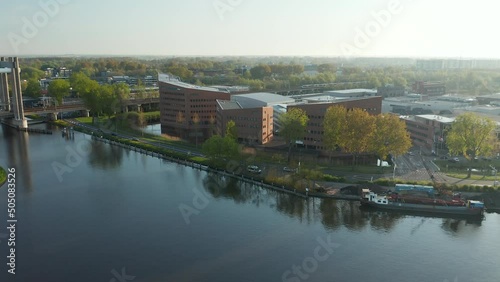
124,127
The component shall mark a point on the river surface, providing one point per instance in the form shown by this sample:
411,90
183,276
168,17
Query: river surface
88,211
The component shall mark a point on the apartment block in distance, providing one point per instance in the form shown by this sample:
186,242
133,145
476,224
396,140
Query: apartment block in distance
316,113
189,111
429,88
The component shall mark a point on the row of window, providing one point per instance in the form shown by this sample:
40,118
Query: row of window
201,100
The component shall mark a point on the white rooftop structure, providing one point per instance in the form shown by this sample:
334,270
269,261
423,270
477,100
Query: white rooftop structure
441,119
175,81
351,93
261,99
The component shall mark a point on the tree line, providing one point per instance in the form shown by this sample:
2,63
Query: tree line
274,73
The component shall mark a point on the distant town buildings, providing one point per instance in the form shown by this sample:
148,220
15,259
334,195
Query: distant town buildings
391,91
442,64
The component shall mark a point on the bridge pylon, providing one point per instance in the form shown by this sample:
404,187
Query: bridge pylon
11,65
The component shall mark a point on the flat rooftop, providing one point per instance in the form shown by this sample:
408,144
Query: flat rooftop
441,119
175,81
260,99
229,105
352,91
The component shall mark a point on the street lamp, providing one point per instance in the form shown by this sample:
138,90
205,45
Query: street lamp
394,171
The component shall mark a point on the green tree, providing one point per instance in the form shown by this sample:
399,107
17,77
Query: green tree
333,126
33,88
121,94
260,71
217,147
58,89
471,136
293,127
390,136
28,73
359,128
136,120
180,71
232,130
89,91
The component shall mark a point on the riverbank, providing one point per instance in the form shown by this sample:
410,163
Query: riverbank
3,176
323,189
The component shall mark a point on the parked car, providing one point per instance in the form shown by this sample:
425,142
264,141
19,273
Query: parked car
454,160
254,169
289,169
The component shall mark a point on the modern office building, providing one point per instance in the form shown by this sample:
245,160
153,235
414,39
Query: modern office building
428,131
316,113
253,115
186,110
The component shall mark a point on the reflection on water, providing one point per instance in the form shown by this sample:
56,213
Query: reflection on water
120,208
152,129
104,156
332,213
18,154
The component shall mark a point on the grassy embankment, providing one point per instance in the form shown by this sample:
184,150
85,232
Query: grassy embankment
124,128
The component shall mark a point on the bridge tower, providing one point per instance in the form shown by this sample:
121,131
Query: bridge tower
11,65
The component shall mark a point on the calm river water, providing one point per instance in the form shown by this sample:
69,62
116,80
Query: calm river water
92,212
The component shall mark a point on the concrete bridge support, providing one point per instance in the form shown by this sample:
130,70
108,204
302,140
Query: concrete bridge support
85,113
53,116
17,96
17,107
4,89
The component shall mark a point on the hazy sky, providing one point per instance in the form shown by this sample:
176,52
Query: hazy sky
418,28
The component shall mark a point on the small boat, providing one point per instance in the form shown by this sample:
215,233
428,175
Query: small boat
455,206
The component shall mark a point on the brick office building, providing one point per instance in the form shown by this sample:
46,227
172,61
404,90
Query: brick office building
316,113
253,115
428,131
429,88
181,103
